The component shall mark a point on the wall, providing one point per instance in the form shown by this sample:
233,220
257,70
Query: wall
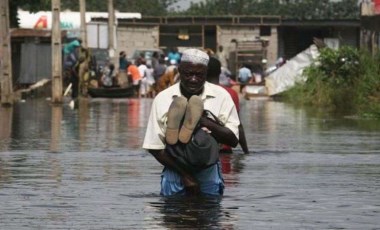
225,34
130,38
295,39
35,62
370,33
348,36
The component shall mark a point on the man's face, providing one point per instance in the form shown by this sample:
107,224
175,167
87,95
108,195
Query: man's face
193,77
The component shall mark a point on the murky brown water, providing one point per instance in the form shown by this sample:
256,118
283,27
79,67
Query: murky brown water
85,169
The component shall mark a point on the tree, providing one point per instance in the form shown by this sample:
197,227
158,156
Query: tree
146,8
299,9
296,9
32,5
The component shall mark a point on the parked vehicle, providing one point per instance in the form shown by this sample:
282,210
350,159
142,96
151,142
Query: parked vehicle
101,56
146,54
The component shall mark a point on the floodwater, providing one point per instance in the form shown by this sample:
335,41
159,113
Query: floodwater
85,169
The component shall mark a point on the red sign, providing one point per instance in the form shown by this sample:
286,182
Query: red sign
41,23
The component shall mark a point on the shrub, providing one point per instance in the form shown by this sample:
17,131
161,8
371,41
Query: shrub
367,96
345,79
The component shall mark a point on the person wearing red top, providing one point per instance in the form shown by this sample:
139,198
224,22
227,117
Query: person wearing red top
213,72
136,77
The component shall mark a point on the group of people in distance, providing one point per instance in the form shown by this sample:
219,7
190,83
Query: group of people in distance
179,110
147,79
127,75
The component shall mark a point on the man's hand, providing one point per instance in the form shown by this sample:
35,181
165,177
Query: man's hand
191,186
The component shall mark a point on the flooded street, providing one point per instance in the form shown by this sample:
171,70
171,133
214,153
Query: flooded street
85,169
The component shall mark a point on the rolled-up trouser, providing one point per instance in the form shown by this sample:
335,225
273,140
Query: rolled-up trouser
210,181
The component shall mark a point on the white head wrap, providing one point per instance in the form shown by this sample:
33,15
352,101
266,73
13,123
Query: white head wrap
195,56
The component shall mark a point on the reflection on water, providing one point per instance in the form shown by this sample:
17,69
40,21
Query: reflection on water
85,169
56,119
189,213
6,115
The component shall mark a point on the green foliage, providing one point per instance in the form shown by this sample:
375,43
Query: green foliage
301,10
31,5
367,97
323,9
339,68
146,8
344,80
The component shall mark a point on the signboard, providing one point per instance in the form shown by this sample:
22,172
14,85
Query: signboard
70,20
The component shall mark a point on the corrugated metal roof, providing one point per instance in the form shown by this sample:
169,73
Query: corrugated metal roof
33,33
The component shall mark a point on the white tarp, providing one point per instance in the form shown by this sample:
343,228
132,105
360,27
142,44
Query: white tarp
255,90
287,75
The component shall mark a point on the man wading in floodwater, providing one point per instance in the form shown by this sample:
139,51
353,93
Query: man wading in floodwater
166,131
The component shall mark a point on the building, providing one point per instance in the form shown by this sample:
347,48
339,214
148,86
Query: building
286,38
370,26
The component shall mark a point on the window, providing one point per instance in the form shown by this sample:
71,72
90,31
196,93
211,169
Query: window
265,31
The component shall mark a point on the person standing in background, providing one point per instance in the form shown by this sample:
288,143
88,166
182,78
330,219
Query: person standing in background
147,83
168,78
141,65
244,77
158,72
108,76
155,59
174,56
122,77
123,61
71,53
84,63
134,72
222,56
213,73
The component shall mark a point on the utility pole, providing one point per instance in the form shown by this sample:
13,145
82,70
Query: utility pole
83,29
111,25
56,44
56,119
6,91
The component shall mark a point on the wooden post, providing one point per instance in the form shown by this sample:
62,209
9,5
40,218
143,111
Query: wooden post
6,91
56,121
56,44
83,29
203,37
6,124
111,24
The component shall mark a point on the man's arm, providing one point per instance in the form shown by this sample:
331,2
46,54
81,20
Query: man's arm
222,134
242,139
